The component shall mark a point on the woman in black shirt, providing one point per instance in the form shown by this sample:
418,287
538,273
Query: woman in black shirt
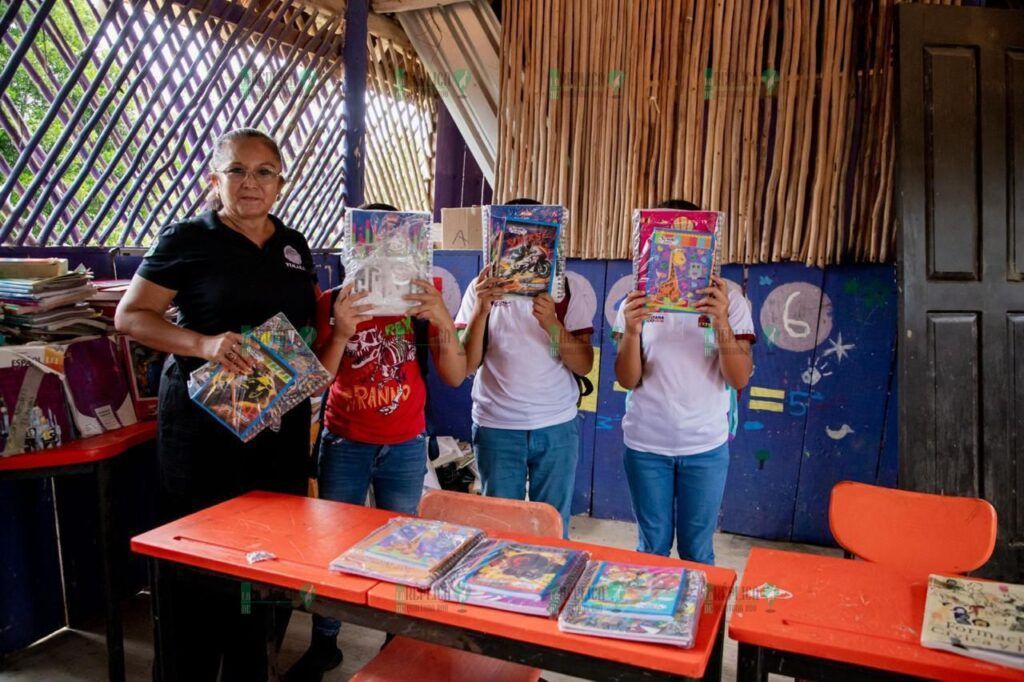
227,270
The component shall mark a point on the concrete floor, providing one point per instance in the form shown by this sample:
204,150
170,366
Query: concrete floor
76,655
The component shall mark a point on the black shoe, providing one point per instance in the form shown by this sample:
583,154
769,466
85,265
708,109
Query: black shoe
322,655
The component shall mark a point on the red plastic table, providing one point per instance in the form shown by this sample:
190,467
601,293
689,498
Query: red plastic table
845,620
306,534
91,455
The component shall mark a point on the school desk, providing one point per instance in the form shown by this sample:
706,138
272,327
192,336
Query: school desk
845,620
91,455
306,534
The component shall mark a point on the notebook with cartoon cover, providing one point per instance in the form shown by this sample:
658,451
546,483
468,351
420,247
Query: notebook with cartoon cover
647,220
524,244
643,603
526,256
513,576
976,618
680,264
408,551
244,403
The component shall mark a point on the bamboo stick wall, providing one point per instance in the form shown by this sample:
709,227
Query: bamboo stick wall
777,112
401,128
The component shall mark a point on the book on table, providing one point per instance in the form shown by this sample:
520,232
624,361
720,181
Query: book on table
643,603
513,576
975,618
408,551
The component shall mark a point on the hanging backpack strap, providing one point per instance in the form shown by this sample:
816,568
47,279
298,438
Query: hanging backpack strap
421,334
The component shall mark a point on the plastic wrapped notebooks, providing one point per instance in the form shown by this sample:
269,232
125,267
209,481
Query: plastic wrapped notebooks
525,246
286,373
383,252
674,255
513,576
408,551
643,603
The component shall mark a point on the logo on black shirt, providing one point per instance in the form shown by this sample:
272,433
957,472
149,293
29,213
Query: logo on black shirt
292,258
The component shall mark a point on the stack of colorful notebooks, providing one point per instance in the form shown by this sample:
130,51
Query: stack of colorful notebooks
513,576
408,551
602,598
643,603
286,373
43,301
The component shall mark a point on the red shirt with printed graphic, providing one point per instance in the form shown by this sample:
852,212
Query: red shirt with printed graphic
378,395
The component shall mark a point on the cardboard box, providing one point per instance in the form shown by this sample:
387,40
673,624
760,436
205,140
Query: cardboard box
461,228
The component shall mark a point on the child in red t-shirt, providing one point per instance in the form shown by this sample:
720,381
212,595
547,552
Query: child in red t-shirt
373,427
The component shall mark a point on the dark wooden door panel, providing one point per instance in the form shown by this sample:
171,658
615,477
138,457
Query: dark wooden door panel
952,169
961,211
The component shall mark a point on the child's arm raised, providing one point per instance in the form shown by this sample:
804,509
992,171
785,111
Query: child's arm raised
487,289
574,350
734,357
445,348
348,314
628,365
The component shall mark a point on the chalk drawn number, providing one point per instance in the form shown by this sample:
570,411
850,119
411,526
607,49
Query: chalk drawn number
799,400
791,326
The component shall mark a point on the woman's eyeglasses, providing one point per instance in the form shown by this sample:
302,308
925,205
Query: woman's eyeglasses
263,176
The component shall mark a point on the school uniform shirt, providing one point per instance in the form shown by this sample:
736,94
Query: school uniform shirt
522,383
378,395
681,406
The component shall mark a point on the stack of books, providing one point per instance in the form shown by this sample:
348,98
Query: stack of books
43,301
642,603
514,577
408,551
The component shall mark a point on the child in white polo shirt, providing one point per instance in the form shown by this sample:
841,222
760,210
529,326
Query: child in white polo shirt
525,430
676,426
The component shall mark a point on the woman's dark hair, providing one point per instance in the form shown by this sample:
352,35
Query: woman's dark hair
377,206
220,146
523,201
679,205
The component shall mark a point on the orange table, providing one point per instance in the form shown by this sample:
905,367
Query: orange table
91,455
846,619
305,534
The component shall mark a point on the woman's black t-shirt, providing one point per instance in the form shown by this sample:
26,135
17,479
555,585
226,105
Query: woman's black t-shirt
225,282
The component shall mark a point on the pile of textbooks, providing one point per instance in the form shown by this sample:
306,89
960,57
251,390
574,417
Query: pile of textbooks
980,619
408,551
675,253
524,246
286,373
644,603
513,576
384,253
43,301
601,598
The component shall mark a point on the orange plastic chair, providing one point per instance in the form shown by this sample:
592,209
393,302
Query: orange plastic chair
915,533
433,662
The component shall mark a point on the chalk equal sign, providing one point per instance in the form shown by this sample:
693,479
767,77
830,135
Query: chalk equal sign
765,399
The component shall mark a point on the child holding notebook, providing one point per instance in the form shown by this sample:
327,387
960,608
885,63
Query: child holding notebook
676,426
524,351
374,421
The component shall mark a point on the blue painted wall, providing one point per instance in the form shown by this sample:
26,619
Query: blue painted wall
817,411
